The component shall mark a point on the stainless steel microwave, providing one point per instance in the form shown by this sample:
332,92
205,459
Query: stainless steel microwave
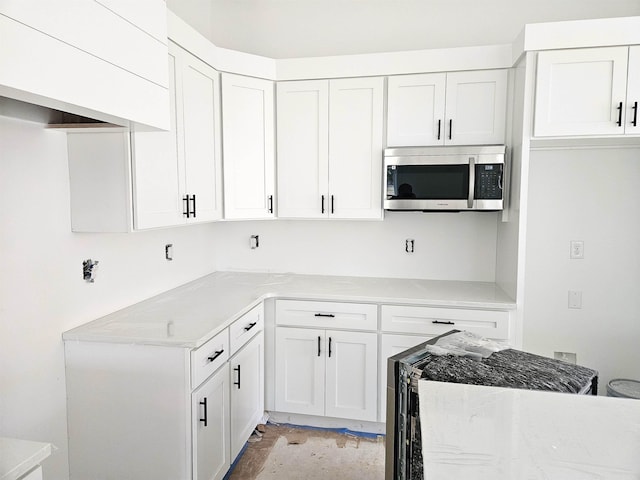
445,178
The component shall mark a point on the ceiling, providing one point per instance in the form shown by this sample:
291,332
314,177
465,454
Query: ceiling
307,28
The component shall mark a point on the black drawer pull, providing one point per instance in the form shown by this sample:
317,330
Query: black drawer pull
619,108
238,382
635,114
250,326
440,322
329,347
318,345
216,354
328,315
204,404
439,122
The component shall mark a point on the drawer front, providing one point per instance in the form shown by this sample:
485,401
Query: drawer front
435,321
209,357
243,329
351,316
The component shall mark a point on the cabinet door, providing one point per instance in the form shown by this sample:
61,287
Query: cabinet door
247,392
391,345
351,375
578,92
415,110
303,149
299,370
632,124
476,107
156,178
200,99
355,148
210,427
248,147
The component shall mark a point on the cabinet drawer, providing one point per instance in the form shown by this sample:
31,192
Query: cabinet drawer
351,316
435,321
209,357
243,329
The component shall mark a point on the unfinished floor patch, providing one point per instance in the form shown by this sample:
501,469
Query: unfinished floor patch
290,452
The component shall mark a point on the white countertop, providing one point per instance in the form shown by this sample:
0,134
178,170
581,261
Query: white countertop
189,315
17,457
493,433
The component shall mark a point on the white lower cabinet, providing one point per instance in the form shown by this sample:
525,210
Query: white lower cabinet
210,427
326,372
247,392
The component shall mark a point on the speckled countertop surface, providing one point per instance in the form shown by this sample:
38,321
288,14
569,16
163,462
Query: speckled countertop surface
189,315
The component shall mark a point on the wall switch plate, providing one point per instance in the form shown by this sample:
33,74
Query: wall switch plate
575,299
568,357
576,249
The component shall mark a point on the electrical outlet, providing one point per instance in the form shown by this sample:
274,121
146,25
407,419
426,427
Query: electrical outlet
254,241
568,357
576,249
409,245
575,299
168,251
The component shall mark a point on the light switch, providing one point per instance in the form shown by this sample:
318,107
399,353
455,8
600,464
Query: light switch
575,299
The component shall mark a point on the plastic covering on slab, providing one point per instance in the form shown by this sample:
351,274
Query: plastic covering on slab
493,433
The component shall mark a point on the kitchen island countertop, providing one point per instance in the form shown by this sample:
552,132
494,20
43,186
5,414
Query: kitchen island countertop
187,316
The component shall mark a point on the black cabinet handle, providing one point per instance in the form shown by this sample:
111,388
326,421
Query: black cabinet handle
193,200
450,127
322,204
440,322
216,354
185,210
635,114
318,345
270,203
329,347
332,204
204,404
439,123
250,326
238,382
329,315
619,108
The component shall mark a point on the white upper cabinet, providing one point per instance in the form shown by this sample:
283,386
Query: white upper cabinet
248,147
584,92
330,148
460,108
157,179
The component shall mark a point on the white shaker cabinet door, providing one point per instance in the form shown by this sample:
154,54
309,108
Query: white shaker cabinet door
351,375
581,92
200,134
303,149
247,392
248,147
210,427
632,124
157,183
299,372
476,105
415,110
355,147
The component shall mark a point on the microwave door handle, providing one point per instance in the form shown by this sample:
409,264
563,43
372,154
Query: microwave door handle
472,181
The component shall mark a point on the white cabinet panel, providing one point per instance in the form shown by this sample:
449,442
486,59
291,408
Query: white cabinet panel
248,145
415,115
243,329
209,357
210,427
581,92
355,147
351,375
350,316
247,392
299,372
476,105
303,149
632,124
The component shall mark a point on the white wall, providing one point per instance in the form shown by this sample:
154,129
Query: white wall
307,28
42,292
590,195
448,246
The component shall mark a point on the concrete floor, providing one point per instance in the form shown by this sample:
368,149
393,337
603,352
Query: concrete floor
287,452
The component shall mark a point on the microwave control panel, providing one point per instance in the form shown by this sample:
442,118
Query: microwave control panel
488,182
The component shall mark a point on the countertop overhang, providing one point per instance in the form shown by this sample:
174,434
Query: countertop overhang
187,316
